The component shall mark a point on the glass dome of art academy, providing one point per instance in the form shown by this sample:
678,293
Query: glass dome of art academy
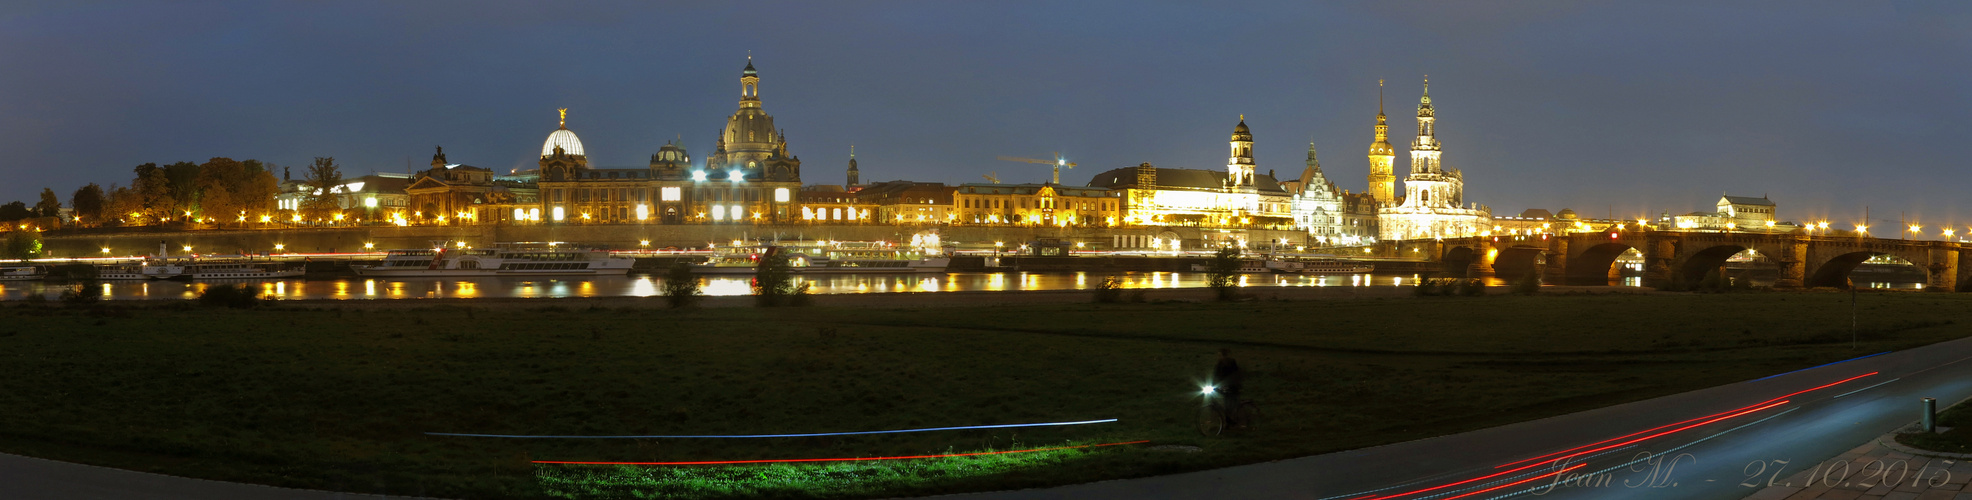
570,145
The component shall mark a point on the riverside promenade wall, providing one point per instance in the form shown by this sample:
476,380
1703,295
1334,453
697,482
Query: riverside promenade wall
145,241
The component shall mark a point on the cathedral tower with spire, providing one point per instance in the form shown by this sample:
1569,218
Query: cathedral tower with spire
1382,182
855,177
1434,197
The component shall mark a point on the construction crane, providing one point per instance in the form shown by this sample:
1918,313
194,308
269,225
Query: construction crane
1058,163
992,176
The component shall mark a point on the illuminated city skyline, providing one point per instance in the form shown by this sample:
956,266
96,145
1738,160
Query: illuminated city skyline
1594,109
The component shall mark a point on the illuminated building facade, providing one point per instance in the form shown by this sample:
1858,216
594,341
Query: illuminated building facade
1037,205
1735,213
827,204
1331,215
907,202
452,194
383,193
749,177
1434,197
1238,197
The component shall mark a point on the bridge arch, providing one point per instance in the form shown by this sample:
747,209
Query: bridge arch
1594,265
1458,260
1704,261
1837,271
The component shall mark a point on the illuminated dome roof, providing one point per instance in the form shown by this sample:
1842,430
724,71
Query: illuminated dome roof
1240,132
1566,213
570,145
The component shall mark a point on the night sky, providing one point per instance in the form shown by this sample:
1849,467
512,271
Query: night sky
1598,106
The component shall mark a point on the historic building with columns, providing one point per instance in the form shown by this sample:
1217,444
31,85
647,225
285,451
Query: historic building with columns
1238,197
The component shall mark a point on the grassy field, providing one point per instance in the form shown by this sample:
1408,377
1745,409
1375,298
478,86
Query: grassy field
341,399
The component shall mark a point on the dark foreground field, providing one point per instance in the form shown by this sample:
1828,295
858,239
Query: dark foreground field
340,399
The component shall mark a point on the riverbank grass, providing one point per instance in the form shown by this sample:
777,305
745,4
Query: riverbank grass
342,399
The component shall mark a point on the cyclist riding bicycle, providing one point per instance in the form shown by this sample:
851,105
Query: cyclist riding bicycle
1228,378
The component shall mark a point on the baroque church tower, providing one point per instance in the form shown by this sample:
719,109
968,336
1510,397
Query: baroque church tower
1382,182
855,177
750,146
1434,197
1239,167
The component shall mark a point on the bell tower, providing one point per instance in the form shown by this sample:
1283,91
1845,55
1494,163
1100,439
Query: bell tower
854,176
1382,182
1239,167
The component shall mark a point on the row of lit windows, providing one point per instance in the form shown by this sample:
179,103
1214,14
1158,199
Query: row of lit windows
539,266
643,195
833,214
1042,203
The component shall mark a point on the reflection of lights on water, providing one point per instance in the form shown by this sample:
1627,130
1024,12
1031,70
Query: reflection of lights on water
996,282
1242,280
1397,282
1081,279
369,288
467,289
342,289
396,289
928,285
588,289
643,287
280,289
728,286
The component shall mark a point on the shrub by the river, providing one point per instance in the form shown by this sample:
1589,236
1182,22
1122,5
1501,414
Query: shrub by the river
234,296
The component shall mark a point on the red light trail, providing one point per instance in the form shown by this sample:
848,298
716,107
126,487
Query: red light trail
1796,393
1562,456
847,459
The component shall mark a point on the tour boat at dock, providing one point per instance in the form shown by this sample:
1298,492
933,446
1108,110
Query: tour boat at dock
117,272
501,261
1281,266
238,271
836,257
1319,266
26,273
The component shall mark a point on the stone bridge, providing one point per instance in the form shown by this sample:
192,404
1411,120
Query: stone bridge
1589,257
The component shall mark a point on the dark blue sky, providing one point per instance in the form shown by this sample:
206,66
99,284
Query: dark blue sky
1596,106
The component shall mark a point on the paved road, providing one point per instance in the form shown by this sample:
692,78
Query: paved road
1729,433
25,478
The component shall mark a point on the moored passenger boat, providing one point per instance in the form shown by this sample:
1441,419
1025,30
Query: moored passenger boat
501,261
22,273
831,257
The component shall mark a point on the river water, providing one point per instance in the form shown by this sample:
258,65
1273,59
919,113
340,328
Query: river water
635,285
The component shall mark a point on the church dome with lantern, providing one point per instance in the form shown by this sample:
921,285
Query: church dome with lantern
562,137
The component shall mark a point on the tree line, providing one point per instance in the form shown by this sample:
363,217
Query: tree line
220,191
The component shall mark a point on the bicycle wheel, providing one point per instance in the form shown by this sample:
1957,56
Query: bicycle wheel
1211,420
1249,414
